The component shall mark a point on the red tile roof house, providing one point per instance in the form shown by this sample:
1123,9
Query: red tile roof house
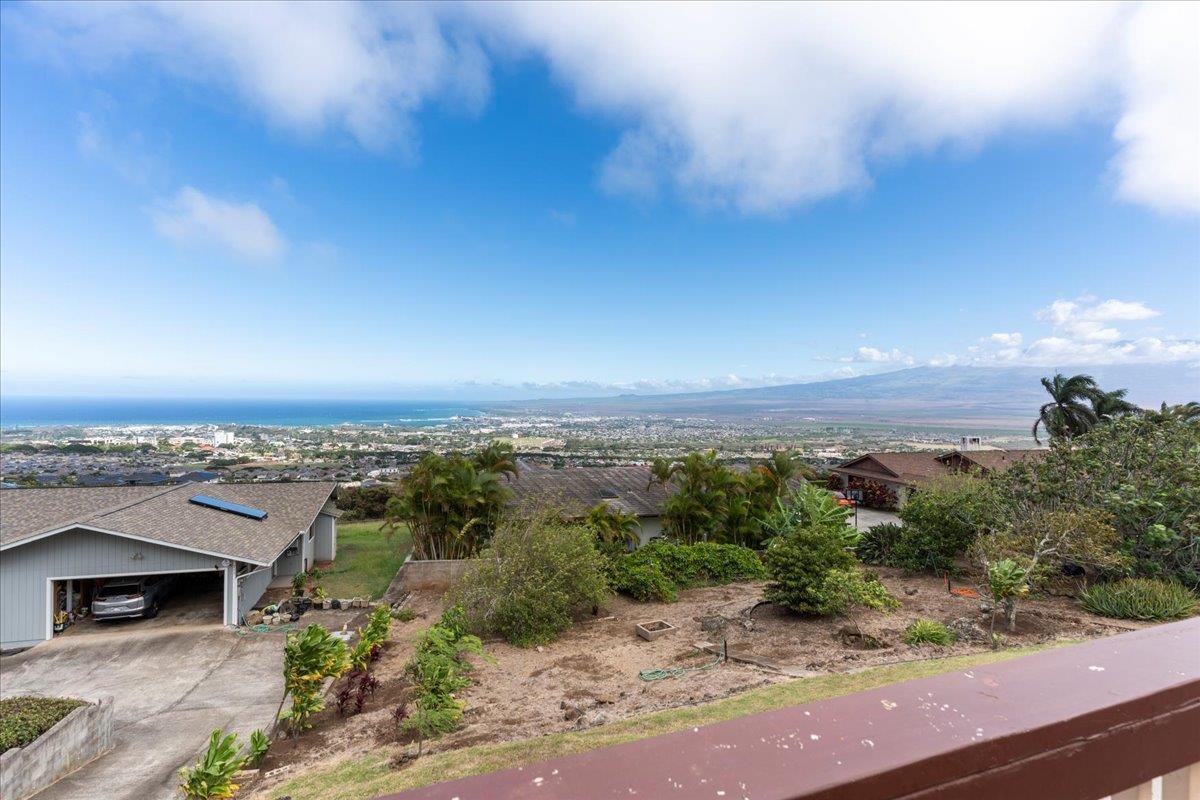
903,472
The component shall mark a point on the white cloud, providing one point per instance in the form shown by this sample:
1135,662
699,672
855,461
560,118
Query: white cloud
769,106
874,355
192,216
360,67
1082,334
761,107
1159,130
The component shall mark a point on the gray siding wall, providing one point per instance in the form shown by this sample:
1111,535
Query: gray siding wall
650,527
24,570
250,589
287,566
325,545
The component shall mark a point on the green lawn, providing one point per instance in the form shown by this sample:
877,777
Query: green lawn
372,775
366,560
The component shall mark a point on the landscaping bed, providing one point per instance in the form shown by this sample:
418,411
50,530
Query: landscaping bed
589,676
24,719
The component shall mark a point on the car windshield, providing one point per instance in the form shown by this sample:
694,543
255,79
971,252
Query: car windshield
118,589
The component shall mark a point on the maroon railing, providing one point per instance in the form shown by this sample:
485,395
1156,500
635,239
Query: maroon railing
1074,723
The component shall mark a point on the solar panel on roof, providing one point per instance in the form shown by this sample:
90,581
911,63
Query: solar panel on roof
225,505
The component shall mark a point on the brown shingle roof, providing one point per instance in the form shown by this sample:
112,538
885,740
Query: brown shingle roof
915,468
578,489
166,515
909,468
1000,460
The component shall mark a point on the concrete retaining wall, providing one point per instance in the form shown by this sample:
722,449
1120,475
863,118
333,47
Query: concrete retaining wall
430,575
78,738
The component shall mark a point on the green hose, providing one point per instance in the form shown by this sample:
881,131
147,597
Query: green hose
662,673
262,628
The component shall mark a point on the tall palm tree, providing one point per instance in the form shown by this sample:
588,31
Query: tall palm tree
1110,405
1069,412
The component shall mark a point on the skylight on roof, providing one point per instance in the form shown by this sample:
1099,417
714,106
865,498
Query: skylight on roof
225,505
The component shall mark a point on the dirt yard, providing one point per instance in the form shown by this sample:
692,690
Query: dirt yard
590,675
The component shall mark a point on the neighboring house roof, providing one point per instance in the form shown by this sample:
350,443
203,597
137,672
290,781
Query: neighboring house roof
993,460
912,469
577,489
907,468
166,515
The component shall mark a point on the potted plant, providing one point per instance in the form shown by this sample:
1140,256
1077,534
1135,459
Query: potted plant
299,581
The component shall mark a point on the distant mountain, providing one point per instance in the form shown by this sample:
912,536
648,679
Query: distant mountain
1003,397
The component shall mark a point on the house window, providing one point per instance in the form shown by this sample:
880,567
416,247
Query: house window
312,532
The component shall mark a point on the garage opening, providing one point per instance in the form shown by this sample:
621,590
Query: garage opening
134,602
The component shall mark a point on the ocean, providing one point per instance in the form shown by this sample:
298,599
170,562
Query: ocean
79,411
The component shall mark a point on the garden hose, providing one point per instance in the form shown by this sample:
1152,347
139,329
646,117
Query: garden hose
263,628
662,673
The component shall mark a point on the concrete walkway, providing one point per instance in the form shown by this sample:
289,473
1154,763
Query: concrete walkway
171,688
870,517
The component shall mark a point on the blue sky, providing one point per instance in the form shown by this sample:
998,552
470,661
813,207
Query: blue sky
467,197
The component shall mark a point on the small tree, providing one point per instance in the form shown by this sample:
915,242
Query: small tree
1034,549
535,575
309,657
1007,581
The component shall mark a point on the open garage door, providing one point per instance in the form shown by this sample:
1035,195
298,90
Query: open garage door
106,603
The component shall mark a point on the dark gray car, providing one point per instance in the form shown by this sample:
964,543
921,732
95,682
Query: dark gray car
121,598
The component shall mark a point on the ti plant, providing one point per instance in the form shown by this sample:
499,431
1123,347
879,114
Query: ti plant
259,745
309,657
212,776
1007,582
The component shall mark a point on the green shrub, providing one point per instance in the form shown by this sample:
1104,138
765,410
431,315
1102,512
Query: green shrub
927,631
941,521
801,564
438,670
259,745
24,719
1140,598
641,580
658,570
531,580
878,544
212,776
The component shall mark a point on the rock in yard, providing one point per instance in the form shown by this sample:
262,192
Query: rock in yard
965,630
712,624
910,590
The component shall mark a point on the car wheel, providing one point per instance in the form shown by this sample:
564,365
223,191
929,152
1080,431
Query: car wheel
151,612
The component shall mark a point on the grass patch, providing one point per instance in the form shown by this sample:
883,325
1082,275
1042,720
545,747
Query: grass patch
24,719
372,775
366,560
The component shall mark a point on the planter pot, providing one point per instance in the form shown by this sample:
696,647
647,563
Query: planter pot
654,629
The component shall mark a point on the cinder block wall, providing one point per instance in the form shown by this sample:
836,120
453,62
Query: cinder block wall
79,737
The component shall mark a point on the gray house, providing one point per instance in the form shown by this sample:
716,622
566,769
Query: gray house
627,488
57,545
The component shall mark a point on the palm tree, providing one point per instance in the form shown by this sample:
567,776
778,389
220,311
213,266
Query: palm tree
497,457
617,530
1069,412
1110,405
778,471
1184,412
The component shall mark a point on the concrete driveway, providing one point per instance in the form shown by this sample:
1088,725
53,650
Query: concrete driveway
870,517
171,688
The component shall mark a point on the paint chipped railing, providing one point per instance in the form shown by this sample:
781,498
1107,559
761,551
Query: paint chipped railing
1116,717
